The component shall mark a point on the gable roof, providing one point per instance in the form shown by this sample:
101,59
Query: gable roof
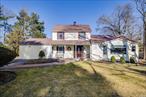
103,38
72,28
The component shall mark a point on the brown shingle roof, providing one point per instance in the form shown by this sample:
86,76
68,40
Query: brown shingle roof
71,42
103,38
37,41
46,41
49,41
72,28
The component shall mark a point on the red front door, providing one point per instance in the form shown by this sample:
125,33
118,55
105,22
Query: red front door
79,51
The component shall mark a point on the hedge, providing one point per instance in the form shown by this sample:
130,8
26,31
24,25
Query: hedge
6,56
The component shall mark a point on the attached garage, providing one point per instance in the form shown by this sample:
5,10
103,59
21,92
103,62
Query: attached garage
31,48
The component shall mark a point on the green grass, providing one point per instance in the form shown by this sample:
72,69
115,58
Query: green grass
68,80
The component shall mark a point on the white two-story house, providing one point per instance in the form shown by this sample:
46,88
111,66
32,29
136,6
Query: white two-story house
71,41
76,42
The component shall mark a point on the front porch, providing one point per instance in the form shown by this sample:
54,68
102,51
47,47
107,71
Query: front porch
71,51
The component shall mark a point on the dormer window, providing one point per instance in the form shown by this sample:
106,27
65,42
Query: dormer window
60,35
82,35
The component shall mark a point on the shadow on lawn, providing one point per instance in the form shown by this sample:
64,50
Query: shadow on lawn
142,72
103,85
122,71
6,76
67,80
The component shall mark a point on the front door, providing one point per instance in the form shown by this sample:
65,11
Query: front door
79,51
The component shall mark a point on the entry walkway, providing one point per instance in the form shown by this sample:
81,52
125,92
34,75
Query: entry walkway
21,65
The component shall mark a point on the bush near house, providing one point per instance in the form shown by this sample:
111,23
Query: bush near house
122,60
132,60
113,59
41,54
6,55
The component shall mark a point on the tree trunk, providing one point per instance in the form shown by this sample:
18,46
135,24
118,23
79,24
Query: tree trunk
144,41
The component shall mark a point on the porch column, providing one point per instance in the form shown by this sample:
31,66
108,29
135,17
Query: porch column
64,46
75,52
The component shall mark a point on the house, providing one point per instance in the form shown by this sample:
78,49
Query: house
76,42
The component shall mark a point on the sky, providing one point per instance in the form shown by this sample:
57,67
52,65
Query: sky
54,12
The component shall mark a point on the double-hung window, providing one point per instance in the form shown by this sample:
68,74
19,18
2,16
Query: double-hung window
60,51
82,35
60,35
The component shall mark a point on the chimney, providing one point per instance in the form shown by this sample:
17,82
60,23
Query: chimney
74,23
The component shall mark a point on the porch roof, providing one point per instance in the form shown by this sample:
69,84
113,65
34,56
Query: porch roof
47,41
70,42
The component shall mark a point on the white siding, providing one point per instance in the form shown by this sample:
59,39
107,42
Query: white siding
116,42
131,53
86,52
69,54
129,49
54,36
32,51
70,36
88,36
96,52
74,35
54,52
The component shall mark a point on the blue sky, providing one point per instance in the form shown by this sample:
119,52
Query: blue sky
54,12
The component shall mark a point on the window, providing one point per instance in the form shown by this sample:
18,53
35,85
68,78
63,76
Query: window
60,49
118,49
82,35
133,48
104,49
60,35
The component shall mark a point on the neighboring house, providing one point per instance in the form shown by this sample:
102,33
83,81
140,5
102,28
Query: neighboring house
76,42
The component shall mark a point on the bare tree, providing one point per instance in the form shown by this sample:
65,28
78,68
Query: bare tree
121,22
141,8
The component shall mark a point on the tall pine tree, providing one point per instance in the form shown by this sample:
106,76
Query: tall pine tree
25,27
36,27
23,22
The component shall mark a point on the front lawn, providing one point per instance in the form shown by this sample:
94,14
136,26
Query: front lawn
78,79
128,80
68,80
